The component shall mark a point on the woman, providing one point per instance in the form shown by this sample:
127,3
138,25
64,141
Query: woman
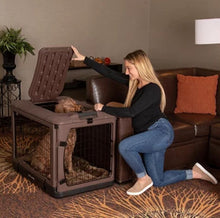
153,134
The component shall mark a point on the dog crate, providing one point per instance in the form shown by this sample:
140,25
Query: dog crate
63,153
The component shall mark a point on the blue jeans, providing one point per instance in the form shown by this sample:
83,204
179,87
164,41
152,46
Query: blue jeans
152,145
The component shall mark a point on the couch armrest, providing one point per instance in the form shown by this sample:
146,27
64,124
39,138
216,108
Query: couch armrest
123,172
105,90
100,89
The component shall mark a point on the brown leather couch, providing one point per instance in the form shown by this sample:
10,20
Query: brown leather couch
197,136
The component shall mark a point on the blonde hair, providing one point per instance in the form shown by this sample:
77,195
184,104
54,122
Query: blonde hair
146,73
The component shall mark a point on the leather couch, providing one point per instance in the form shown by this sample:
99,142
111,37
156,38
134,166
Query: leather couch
197,136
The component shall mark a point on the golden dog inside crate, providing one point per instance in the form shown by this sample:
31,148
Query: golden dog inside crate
40,158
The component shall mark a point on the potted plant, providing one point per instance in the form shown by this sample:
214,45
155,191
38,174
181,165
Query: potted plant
11,43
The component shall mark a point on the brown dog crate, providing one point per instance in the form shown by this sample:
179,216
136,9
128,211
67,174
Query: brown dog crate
42,138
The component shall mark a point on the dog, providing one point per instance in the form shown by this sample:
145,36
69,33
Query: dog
40,159
68,105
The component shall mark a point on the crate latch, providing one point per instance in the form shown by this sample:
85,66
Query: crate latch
63,144
89,120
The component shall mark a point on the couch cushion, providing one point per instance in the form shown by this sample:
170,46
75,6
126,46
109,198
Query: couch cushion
205,72
169,82
215,130
185,154
182,131
196,94
200,122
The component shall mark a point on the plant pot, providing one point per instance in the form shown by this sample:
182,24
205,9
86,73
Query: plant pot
9,66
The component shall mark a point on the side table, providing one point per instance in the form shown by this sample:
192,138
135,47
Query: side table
9,91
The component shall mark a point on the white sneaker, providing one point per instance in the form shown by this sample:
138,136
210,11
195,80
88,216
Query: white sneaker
138,188
204,173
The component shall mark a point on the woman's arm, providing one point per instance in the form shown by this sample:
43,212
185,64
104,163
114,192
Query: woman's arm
101,68
151,95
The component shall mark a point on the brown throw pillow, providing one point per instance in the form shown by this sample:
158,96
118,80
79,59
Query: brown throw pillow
196,94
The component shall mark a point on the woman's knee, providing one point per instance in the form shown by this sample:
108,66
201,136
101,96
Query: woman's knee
122,147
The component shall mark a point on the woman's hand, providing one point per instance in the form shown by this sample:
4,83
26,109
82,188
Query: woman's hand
79,57
98,107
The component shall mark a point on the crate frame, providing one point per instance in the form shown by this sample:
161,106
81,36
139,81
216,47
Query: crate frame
60,125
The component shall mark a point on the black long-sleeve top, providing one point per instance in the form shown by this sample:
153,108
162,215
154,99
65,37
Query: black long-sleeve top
145,105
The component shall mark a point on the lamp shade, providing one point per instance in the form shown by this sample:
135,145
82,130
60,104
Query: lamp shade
207,31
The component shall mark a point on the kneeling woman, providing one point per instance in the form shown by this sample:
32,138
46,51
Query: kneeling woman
153,133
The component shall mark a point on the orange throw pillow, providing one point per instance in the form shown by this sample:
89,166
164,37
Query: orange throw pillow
196,94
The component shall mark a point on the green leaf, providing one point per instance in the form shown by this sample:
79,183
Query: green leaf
12,40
